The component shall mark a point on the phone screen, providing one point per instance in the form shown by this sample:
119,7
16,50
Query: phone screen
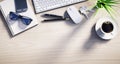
20,6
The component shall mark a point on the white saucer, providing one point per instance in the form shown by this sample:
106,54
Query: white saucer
106,36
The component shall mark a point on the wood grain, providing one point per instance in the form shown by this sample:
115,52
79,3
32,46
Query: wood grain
60,42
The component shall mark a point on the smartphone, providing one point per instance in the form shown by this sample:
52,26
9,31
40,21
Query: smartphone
20,6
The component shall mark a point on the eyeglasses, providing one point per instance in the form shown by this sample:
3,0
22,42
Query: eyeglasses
25,20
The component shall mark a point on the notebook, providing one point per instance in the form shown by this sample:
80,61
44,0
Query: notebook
17,27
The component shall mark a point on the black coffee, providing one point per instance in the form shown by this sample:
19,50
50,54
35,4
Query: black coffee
107,27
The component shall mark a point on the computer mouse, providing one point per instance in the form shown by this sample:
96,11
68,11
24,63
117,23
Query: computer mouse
74,14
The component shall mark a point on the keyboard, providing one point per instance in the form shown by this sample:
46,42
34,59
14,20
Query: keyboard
45,5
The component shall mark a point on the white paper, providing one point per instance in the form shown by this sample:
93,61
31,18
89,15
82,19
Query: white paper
17,27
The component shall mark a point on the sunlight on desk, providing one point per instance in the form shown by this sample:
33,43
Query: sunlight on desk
60,42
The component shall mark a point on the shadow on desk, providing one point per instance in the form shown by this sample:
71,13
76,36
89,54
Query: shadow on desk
53,54
5,24
92,41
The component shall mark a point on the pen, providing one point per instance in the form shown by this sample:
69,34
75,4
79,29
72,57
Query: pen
52,15
58,19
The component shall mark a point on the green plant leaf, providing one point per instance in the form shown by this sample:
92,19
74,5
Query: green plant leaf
107,4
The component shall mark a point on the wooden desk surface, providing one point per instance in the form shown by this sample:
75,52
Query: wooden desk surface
60,42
